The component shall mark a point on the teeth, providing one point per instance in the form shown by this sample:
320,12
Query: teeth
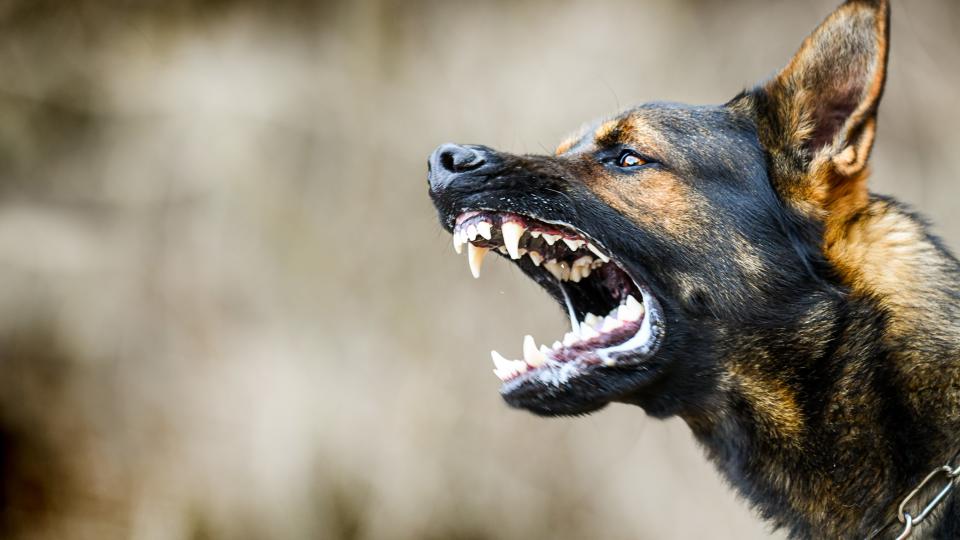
631,311
458,241
553,267
598,253
551,238
500,362
592,319
535,257
564,271
569,339
610,323
531,355
503,250
485,228
581,268
556,345
512,231
586,260
535,234
506,368
475,257
471,232
587,332
573,243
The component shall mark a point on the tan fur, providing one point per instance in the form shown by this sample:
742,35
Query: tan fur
774,402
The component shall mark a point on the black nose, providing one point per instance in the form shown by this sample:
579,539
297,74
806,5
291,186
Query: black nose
456,158
449,160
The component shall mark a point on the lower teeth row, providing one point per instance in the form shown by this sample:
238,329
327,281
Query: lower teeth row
592,326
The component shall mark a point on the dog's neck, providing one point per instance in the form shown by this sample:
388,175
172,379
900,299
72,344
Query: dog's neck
864,406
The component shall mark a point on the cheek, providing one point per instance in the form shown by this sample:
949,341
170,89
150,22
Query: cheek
657,202
708,246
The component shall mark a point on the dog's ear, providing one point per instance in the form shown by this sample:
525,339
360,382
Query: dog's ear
817,117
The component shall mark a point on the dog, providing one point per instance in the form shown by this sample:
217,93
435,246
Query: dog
728,265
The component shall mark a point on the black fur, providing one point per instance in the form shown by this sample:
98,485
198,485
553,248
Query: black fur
812,330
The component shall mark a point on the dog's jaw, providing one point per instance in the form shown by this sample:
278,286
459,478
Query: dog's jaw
584,277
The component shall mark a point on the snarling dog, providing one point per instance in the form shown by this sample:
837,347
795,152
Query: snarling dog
727,264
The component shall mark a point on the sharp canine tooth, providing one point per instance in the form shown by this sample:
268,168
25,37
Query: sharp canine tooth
633,303
458,242
597,252
529,345
484,228
551,238
573,243
531,355
475,258
500,362
506,368
512,231
535,257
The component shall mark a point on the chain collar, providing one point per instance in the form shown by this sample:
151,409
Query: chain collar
947,475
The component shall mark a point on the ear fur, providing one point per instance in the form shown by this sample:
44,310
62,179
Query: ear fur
817,116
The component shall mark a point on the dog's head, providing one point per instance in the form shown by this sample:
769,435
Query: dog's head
673,235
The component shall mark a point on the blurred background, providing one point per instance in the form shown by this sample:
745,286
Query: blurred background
227,310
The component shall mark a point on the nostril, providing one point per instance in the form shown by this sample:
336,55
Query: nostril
450,160
447,161
457,159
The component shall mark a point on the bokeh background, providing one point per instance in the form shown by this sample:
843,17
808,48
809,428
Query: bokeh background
226,309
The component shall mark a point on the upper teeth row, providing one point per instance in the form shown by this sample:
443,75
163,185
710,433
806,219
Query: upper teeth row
512,232
591,327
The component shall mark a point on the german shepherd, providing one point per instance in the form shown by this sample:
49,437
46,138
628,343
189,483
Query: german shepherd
727,264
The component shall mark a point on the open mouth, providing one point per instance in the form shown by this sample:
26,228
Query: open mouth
614,319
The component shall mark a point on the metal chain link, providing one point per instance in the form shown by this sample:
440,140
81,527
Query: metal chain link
947,475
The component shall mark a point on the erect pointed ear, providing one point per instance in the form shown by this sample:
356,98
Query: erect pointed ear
817,117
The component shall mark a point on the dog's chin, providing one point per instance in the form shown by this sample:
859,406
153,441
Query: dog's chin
616,323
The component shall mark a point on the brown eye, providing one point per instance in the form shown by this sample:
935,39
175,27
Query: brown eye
629,159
